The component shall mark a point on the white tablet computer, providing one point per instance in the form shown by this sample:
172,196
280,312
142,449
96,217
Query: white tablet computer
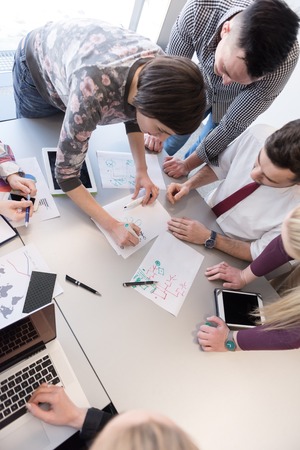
86,176
235,307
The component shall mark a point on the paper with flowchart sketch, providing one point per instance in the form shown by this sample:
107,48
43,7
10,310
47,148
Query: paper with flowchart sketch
117,170
174,265
152,219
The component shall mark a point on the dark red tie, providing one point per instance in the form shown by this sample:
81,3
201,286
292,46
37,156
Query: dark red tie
239,195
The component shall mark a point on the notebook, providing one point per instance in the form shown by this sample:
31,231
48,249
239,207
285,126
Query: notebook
31,354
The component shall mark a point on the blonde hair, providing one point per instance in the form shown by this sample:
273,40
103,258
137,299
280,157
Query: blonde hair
149,435
293,231
285,313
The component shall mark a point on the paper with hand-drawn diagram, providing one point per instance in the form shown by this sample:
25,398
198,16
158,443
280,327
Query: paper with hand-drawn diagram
117,170
152,219
15,273
44,207
174,265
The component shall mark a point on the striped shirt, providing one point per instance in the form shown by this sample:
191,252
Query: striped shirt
235,106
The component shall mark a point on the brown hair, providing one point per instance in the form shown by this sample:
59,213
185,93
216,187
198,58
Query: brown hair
171,90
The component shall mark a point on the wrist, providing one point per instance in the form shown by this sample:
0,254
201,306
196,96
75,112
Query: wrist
78,420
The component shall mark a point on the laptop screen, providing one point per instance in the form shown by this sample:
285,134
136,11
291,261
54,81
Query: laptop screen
26,336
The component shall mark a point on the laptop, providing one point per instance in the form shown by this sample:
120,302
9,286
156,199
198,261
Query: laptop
31,354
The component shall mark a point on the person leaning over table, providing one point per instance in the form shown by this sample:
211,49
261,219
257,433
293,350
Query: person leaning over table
260,159
274,255
132,430
247,51
99,74
13,175
281,330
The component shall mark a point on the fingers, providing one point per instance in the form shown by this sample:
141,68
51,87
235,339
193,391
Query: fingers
152,143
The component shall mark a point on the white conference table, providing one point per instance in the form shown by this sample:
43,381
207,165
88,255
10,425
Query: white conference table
145,357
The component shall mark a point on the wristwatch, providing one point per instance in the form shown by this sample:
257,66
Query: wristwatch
230,343
210,242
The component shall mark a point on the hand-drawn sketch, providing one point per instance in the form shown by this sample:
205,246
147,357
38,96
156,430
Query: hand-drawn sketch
152,219
117,170
15,272
174,265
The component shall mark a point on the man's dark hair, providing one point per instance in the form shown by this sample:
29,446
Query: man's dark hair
268,31
171,89
283,148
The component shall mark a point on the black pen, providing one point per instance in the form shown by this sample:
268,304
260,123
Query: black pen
84,286
138,283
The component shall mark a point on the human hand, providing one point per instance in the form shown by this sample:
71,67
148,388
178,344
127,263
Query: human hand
223,271
142,180
175,167
188,230
152,143
125,236
175,191
61,410
212,338
25,185
15,210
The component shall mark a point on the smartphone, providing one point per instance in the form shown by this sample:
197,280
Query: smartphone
235,307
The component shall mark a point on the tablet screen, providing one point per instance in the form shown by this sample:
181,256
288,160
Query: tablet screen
238,307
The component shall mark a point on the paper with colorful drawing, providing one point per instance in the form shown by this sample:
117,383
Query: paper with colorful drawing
152,219
117,170
174,265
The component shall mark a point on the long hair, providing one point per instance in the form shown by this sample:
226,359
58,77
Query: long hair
285,313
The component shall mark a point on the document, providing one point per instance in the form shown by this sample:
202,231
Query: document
117,170
174,265
152,219
46,207
15,273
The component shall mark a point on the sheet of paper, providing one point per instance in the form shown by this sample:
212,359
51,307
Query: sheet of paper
47,208
6,232
117,170
15,272
152,219
174,265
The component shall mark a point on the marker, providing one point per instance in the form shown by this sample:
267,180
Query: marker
130,230
27,211
84,286
138,283
135,202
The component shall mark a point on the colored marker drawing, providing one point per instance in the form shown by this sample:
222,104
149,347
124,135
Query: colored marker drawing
168,285
169,263
120,172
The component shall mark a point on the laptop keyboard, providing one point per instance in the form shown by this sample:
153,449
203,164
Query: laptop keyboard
17,389
19,335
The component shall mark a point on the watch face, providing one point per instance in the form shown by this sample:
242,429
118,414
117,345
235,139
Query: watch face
209,243
230,345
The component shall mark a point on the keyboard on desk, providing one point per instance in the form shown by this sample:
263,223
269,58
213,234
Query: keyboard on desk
17,389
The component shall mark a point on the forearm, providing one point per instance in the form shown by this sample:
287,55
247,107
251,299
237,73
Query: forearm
86,202
258,338
193,161
234,247
136,143
204,176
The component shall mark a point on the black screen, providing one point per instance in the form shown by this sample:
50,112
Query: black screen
84,175
20,337
238,308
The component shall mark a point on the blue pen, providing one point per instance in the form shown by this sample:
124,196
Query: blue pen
27,211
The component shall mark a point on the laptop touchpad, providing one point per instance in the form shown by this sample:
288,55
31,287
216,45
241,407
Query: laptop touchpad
29,436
